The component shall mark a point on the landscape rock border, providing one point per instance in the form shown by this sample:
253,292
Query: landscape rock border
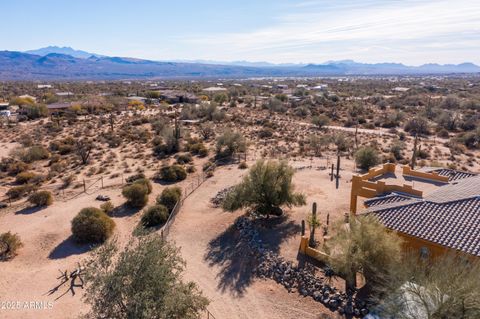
293,278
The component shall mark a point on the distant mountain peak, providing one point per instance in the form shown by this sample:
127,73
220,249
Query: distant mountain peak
63,50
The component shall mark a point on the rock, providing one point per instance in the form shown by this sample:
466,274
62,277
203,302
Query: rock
294,279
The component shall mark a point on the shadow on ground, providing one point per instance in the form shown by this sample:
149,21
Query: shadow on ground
29,210
68,248
236,263
124,211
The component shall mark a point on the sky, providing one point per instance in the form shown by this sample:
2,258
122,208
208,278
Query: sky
412,32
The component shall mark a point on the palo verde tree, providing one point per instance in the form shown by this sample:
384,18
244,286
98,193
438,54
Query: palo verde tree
144,281
364,245
266,187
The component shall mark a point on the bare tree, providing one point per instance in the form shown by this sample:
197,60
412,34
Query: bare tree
83,148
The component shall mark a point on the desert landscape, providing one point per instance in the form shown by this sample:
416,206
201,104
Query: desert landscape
295,159
86,153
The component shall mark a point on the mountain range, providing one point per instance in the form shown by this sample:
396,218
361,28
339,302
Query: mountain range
64,63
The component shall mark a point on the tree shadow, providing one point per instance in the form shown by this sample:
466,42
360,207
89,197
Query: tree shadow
236,260
30,210
227,251
274,231
124,211
68,248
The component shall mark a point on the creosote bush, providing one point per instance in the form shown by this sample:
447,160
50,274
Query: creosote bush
92,226
174,173
9,245
41,198
107,207
367,157
169,197
24,177
155,215
136,195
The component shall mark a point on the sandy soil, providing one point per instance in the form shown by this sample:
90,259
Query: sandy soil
222,271
47,249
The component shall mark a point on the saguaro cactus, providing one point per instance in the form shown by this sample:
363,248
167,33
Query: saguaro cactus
313,222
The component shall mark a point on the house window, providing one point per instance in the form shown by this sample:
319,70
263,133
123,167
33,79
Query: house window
424,252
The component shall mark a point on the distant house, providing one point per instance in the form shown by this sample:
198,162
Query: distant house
58,108
44,86
64,94
137,98
320,87
214,89
400,89
172,96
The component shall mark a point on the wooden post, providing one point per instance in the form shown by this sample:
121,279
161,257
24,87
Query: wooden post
102,181
84,186
303,227
331,174
338,170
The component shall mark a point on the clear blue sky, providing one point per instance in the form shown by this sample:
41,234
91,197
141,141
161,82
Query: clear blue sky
408,31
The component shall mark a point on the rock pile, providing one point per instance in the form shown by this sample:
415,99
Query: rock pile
293,278
220,197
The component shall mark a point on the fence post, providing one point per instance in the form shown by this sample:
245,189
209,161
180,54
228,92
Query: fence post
338,171
102,181
84,186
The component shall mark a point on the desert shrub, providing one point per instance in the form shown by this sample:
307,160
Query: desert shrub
67,180
35,111
107,207
41,198
242,165
136,195
9,245
92,226
230,143
443,133
396,149
135,177
172,173
367,157
208,165
320,121
15,167
19,191
191,169
24,177
145,182
184,158
265,133
154,216
32,154
197,149
169,197
418,126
